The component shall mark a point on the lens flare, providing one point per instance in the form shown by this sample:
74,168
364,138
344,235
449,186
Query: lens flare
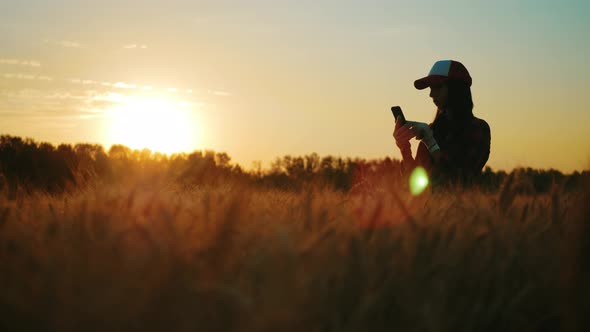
418,181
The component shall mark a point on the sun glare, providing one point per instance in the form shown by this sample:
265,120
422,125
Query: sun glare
157,123
418,181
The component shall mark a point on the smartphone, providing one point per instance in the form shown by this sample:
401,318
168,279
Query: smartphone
397,112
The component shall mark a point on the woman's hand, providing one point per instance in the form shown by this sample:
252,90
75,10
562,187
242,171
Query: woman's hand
402,135
423,132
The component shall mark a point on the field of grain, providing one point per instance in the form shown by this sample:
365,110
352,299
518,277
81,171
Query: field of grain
241,258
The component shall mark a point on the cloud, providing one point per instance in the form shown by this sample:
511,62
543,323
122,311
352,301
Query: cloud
91,113
20,76
111,97
119,85
23,93
135,46
88,82
64,43
20,62
36,95
123,85
54,106
142,87
81,81
64,95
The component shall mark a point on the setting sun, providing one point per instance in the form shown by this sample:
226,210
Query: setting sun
157,123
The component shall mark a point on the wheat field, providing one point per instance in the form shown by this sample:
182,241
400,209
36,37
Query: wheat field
155,257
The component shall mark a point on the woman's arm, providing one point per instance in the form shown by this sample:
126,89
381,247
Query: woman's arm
407,155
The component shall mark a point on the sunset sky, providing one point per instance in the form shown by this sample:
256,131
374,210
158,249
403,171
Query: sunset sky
261,79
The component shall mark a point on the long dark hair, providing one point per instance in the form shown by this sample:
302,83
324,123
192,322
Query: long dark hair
461,103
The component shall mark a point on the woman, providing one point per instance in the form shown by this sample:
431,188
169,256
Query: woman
456,145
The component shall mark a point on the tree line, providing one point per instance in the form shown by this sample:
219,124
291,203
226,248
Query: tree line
28,166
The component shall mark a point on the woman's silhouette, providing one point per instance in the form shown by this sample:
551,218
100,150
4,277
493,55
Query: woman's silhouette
456,145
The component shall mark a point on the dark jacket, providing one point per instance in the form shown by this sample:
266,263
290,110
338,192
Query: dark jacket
464,149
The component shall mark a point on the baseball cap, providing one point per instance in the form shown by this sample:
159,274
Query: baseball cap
443,71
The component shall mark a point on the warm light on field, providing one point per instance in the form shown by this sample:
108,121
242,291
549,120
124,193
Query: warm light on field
418,180
157,123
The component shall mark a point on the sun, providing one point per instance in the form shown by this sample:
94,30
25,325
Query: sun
157,123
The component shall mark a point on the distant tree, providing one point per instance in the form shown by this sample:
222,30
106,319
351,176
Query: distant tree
222,160
29,165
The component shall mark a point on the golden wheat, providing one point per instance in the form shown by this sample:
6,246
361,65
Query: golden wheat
235,258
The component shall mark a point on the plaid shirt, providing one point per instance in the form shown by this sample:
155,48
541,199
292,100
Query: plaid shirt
463,151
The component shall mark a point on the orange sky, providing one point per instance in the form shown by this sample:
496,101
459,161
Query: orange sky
293,77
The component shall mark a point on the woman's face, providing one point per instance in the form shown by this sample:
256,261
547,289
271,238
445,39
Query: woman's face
439,95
